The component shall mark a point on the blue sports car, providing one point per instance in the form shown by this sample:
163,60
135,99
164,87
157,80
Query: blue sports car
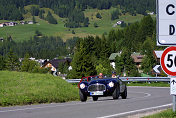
96,87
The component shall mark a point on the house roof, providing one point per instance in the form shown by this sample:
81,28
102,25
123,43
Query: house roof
136,56
55,62
158,53
113,56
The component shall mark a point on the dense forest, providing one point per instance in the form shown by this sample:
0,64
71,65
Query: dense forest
71,9
40,47
90,54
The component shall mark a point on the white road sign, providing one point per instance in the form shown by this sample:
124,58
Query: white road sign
173,86
166,22
157,68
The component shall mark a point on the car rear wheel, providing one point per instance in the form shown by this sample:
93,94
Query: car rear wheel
116,93
95,98
124,94
83,97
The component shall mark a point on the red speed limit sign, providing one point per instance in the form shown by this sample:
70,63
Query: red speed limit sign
168,61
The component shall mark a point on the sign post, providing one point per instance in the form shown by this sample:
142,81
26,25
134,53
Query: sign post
168,64
173,91
166,36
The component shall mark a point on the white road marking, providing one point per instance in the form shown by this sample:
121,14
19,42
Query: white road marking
146,95
135,111
147,87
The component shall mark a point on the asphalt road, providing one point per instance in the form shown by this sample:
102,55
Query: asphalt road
140,99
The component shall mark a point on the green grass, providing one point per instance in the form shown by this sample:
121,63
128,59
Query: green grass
164,114
153,84
20,88
24,32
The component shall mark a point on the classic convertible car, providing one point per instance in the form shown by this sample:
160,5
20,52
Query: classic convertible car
96,87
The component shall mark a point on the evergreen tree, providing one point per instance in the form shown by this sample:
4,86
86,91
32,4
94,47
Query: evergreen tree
115,15
12,62
86,22
33,20
2,63
129,67
119,65
95,25
82,64
98,15
148,61
50,18
25,64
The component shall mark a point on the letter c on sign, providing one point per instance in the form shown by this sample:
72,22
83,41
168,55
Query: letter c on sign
167,9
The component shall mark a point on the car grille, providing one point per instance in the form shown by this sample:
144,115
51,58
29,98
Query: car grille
97,87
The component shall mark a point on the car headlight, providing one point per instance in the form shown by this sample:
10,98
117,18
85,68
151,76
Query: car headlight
82,86
111,84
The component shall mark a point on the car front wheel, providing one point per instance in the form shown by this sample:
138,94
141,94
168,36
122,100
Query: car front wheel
116,93
83,97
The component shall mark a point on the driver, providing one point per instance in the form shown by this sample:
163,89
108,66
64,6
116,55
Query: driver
100,75
114,74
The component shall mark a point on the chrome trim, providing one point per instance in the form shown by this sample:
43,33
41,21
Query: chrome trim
96,84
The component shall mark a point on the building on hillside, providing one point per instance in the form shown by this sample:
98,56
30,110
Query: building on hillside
22,22
119,22
2,25
112,59
151,13
10,23
1,39
54,64
137,57
30,22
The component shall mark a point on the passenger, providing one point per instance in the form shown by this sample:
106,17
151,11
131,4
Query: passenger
114,75
100,76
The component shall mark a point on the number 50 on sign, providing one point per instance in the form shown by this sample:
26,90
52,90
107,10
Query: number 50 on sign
168,61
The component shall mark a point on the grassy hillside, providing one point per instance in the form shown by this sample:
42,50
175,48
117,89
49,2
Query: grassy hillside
24,32
19,88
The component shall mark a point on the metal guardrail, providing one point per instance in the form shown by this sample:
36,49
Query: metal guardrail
132,79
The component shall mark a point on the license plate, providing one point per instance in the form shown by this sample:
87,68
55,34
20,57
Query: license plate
96,93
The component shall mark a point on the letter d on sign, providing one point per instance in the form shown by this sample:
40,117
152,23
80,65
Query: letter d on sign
171,29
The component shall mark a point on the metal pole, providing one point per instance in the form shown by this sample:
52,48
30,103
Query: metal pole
174,101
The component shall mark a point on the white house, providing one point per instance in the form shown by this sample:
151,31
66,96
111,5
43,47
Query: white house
119,22
2,25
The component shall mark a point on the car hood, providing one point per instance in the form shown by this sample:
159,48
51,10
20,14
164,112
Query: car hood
101,81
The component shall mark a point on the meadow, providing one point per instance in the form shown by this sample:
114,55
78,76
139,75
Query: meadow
105,24
21,88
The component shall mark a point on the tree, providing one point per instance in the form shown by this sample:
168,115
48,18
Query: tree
98,15
86,22
25,64
2,63
38,33
119,65
33,20
50,18
12,62
82,64
34,11
129,67
148,61
95,25
115,15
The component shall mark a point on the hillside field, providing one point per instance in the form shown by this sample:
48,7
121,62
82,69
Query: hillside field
21,88
24,32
